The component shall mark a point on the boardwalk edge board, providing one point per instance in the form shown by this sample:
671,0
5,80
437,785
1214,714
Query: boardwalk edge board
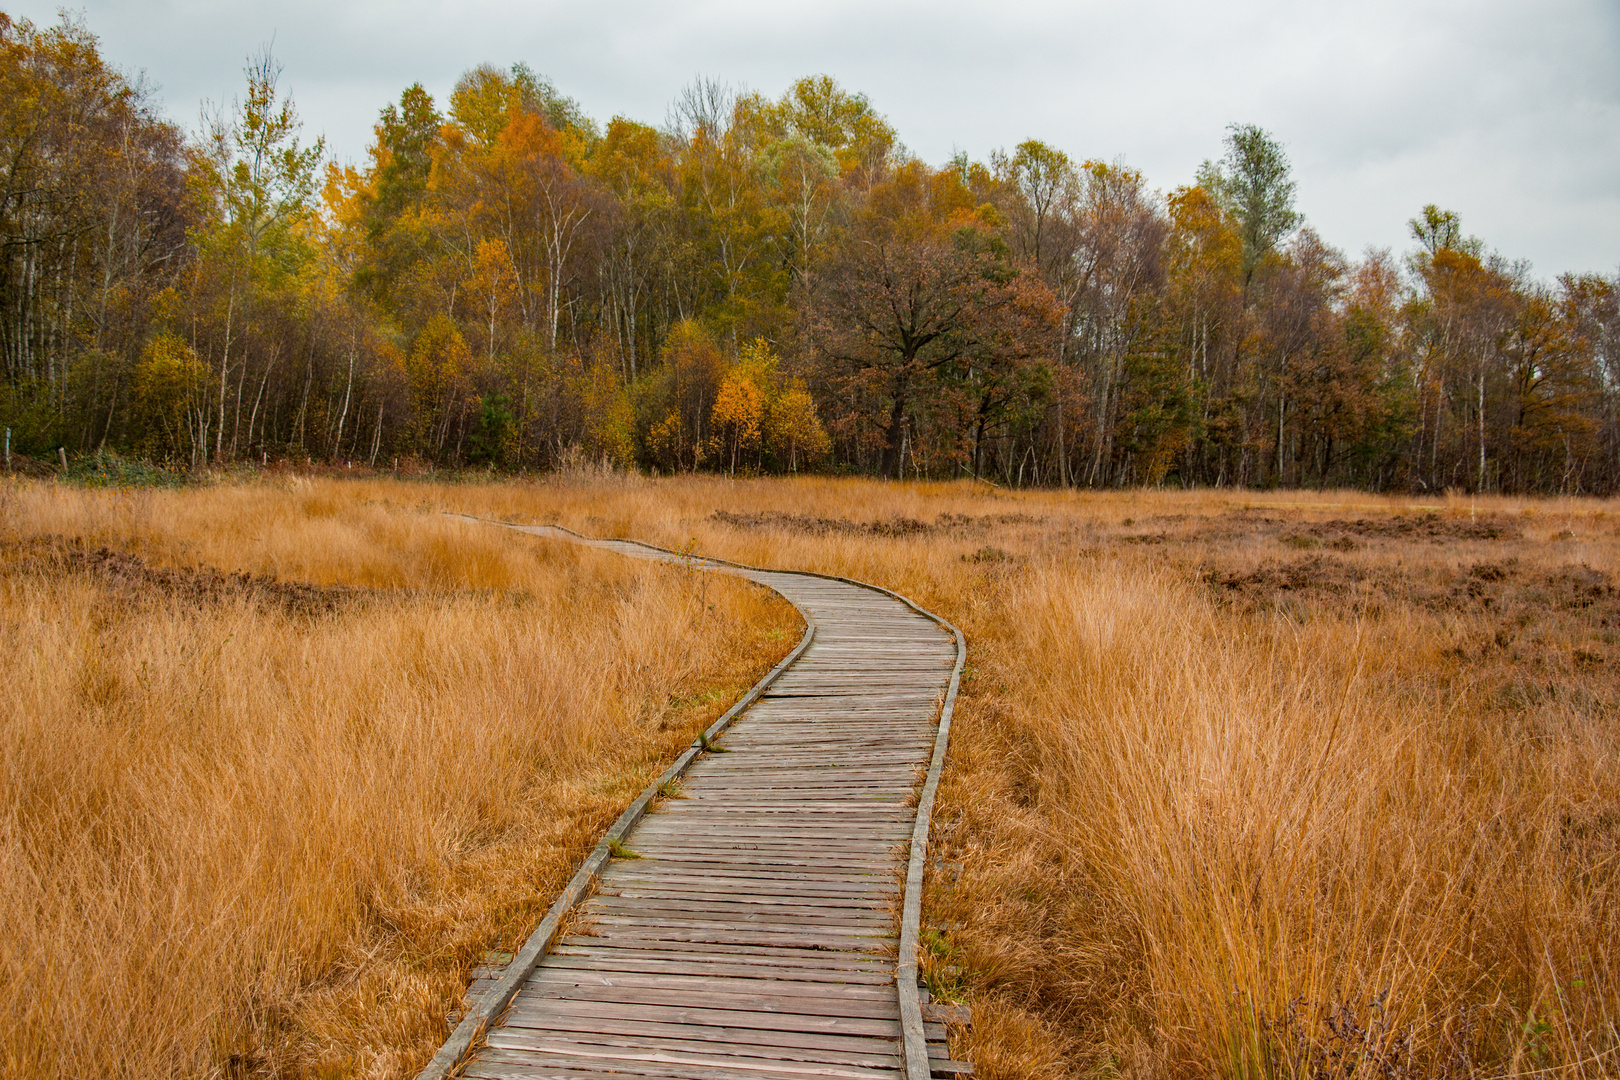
914,1038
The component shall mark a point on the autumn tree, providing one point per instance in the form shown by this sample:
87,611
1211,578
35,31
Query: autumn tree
1252,183
763,283
921,285
632,165
1591,304
736,419
407,137
1118,266
760,410
1203,292
1461,320
259,182
793,432
674,404
93,217
1046,183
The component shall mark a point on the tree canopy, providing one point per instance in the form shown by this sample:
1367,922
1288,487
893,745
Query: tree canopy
759,284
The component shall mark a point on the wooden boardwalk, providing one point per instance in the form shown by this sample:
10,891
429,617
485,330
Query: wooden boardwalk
756,936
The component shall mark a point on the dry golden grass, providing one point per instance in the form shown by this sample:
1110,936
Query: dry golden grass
256,828
1310,784
1304,784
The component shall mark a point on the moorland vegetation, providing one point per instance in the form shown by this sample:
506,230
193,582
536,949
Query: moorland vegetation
280,764
759,285
1311,785
1293,785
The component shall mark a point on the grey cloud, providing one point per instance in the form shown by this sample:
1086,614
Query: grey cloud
1508,112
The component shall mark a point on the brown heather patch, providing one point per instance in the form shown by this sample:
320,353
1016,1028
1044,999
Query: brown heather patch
954,524
126,578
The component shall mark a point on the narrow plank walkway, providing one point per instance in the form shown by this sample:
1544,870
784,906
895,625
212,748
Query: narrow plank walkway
755,938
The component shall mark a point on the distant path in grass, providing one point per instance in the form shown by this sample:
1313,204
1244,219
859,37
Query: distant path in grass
756,935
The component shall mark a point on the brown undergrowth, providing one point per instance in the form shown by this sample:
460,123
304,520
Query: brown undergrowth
1305,785
280,763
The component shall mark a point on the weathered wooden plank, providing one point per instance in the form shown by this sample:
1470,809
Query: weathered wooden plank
683,965
852,832
881,1055
846,853
862,959
662,1062
526,1008
754,891
690,897
722,873
865,826
804,737
759,936
711,982
545,986
742,915
498,1064
828,862
714,803
733,927
705,889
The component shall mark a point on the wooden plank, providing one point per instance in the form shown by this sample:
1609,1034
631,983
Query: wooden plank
866,834
674,964
690,896
754,937
507,1065
846,853
561,986
815,989
742,915
526,1008
948,1014
724,873
733,927
671,1063
881,1055
801,891
701,803
827,862
710,817
862,958
774,934
787,892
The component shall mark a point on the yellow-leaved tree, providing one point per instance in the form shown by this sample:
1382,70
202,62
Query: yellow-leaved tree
436,372
607,415
170,391
793,431
737,417
761,412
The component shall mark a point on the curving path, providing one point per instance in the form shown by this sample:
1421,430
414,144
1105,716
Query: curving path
757,934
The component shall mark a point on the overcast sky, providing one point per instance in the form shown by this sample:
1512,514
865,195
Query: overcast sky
1506,112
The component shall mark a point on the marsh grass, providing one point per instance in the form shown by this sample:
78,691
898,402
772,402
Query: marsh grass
1299,784
279,763
1311,784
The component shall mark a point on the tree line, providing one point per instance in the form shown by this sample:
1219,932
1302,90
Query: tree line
758,285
